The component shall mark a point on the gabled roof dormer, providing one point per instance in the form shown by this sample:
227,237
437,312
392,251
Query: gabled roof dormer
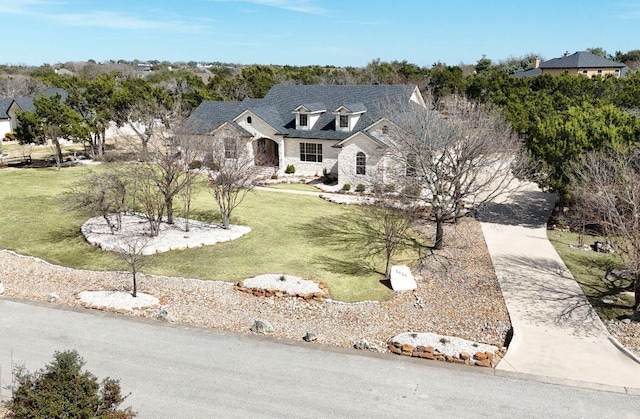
347,116
308,114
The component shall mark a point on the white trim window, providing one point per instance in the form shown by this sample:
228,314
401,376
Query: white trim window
344,121
311,152
361,163
304,120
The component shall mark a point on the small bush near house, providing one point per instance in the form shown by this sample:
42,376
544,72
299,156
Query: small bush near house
411,191
346,187
359,187
63,390
390,188
196,164
10,135
291,169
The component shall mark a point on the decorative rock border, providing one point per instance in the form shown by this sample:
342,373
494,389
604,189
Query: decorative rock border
481,359
273,292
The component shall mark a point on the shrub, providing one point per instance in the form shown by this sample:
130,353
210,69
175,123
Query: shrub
196,164
63,390
11,136
291,169
359,187
390,188
346,187
412,191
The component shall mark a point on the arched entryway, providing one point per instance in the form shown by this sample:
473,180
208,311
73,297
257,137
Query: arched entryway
266,152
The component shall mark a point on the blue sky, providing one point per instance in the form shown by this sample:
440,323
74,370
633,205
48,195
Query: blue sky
301,32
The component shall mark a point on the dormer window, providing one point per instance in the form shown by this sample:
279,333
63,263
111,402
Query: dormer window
248,119
308,114
344,121
347,116
385,129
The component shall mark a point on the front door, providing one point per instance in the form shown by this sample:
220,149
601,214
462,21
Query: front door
266,152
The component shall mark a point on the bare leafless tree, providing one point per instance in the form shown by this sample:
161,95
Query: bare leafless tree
170,167
146,197
131,251
102,194
231,176
456,158
383,224
19,86
607,190
386,229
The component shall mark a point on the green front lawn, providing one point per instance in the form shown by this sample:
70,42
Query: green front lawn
588,268
284,237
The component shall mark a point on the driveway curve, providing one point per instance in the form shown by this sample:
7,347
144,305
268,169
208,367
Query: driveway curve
556,332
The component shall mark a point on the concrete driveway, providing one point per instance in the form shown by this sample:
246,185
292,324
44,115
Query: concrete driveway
556,332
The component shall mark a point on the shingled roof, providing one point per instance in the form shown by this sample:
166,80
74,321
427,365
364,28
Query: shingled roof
25,103
581,59
5,104
277,107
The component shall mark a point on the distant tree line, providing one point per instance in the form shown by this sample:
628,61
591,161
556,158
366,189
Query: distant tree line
559,118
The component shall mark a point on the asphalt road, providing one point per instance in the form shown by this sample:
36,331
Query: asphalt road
181,372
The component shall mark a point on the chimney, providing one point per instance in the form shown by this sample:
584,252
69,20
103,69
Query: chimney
566,54
536,63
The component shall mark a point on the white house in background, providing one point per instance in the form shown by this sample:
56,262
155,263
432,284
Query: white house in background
8,119
340,129
11,105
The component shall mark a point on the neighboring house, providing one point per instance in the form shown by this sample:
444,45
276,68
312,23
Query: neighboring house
581,63
64,72
340,129
8,120
10,106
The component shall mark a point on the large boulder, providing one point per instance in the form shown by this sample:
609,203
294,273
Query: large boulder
402,279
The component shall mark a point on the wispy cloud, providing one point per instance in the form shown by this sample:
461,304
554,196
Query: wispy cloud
629,11
21,7
302,6
113,20
57,12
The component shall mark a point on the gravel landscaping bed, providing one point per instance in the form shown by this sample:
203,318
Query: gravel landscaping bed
457,295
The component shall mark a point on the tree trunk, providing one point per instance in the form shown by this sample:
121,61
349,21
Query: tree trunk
187,209
169,205
56,143
103,140
387,269
636,295
135,284
225,221
439,242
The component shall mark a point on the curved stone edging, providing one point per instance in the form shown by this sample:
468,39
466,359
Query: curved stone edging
481,359
273,292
